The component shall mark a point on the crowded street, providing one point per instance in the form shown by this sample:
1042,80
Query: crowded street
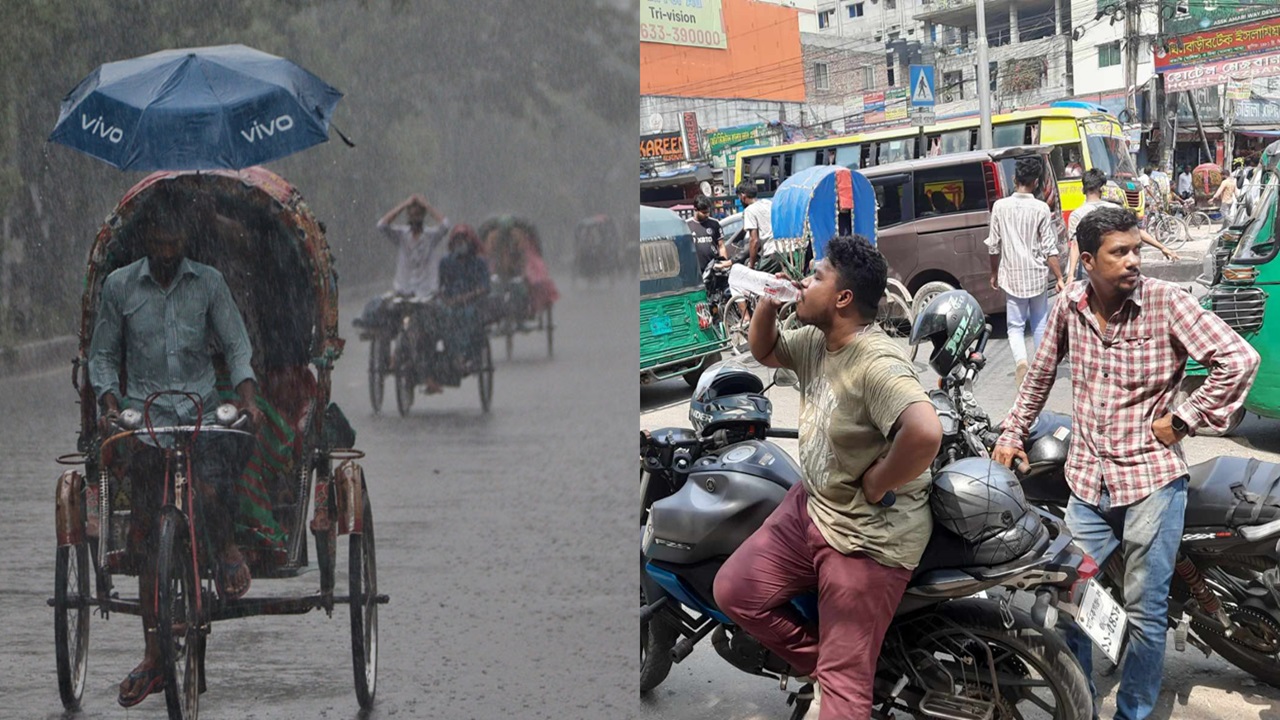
1195,688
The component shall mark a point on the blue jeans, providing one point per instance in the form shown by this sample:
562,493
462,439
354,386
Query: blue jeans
1020,312
1150,531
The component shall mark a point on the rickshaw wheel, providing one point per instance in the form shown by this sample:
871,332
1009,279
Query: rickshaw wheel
378,352
404,376
484,376
551,347
177,621
734,325
71,621
363,578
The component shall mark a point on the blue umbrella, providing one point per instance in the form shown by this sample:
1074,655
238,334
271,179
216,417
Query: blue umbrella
196,109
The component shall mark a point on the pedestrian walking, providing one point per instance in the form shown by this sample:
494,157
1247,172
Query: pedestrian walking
1227,194
1022,244
1130,338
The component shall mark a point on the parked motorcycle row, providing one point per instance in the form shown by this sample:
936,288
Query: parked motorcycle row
978,631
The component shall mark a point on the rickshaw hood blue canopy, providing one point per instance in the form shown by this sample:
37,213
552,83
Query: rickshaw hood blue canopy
807,205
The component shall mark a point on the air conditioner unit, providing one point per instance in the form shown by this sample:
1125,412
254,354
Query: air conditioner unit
946,97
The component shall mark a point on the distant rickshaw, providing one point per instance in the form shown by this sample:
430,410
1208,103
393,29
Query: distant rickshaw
522,289
597,249
679,334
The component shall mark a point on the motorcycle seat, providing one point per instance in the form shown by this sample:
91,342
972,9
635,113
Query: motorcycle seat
1232,492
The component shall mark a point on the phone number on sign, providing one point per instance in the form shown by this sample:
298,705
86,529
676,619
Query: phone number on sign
691,36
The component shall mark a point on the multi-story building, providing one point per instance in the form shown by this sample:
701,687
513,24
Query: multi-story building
1028,52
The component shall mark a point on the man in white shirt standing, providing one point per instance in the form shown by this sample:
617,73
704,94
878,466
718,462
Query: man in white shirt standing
1022,242
1184,183
757,221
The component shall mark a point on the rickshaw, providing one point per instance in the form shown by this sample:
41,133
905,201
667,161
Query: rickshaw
1242,292
281,273
596,249
679,336
816,204
522,290
412,363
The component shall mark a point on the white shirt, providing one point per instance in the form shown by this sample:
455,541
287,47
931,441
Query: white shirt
1184,183
758,216
418,258
1022,235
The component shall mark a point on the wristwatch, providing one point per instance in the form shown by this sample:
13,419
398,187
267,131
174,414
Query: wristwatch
1180,426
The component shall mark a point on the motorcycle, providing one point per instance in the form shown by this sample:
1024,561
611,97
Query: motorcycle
1225,596
947,654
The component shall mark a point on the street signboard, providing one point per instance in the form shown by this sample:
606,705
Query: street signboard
922,87
922,116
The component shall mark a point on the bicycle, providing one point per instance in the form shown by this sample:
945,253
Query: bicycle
1170,230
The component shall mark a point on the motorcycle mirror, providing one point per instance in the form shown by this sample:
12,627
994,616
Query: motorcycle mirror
783,377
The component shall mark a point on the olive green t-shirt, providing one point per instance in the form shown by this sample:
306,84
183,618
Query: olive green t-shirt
850,400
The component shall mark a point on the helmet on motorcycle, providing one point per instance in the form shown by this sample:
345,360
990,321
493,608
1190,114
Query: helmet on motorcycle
952,321
977,498
727,392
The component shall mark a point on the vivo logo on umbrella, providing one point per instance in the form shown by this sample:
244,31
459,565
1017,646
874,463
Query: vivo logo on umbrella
96,125
283,123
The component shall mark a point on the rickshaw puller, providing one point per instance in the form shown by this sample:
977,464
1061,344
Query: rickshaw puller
162,311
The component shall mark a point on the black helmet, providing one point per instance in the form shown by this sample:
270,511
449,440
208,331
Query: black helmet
982,502
728,394
953,321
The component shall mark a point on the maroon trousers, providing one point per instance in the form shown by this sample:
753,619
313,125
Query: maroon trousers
857,597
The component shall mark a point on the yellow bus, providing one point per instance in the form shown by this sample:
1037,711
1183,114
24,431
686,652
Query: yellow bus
1084,136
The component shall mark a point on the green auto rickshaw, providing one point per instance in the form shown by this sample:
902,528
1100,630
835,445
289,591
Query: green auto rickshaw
679,335
1243,286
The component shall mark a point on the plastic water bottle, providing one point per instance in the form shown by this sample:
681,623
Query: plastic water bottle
744,280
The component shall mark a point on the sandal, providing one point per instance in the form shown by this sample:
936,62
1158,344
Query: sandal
231,570
154,681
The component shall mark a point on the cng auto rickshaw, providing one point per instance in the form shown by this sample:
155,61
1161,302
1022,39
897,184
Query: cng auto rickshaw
1243,291
679,335
279,269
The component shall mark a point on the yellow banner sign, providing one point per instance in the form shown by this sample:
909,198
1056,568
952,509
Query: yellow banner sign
696,23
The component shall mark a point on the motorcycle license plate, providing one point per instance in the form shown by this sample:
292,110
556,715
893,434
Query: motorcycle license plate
1102,619
660,325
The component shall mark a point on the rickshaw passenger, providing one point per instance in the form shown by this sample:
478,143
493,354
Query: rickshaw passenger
464,281
160,313
419,248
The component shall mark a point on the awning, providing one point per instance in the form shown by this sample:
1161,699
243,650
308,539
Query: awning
690,176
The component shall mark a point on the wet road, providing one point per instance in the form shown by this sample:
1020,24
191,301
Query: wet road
705,687
501,540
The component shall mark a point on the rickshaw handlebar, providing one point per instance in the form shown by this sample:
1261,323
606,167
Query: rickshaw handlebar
175,429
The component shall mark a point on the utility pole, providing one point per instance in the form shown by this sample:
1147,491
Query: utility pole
1132,22
1170,99
984,81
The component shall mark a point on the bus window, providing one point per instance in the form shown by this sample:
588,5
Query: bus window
895,151
849,156
952,189
1109,154
804,160
1016,133
891,203
758,170
956,141
1067,161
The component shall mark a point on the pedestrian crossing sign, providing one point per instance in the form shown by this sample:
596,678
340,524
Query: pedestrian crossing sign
922,86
